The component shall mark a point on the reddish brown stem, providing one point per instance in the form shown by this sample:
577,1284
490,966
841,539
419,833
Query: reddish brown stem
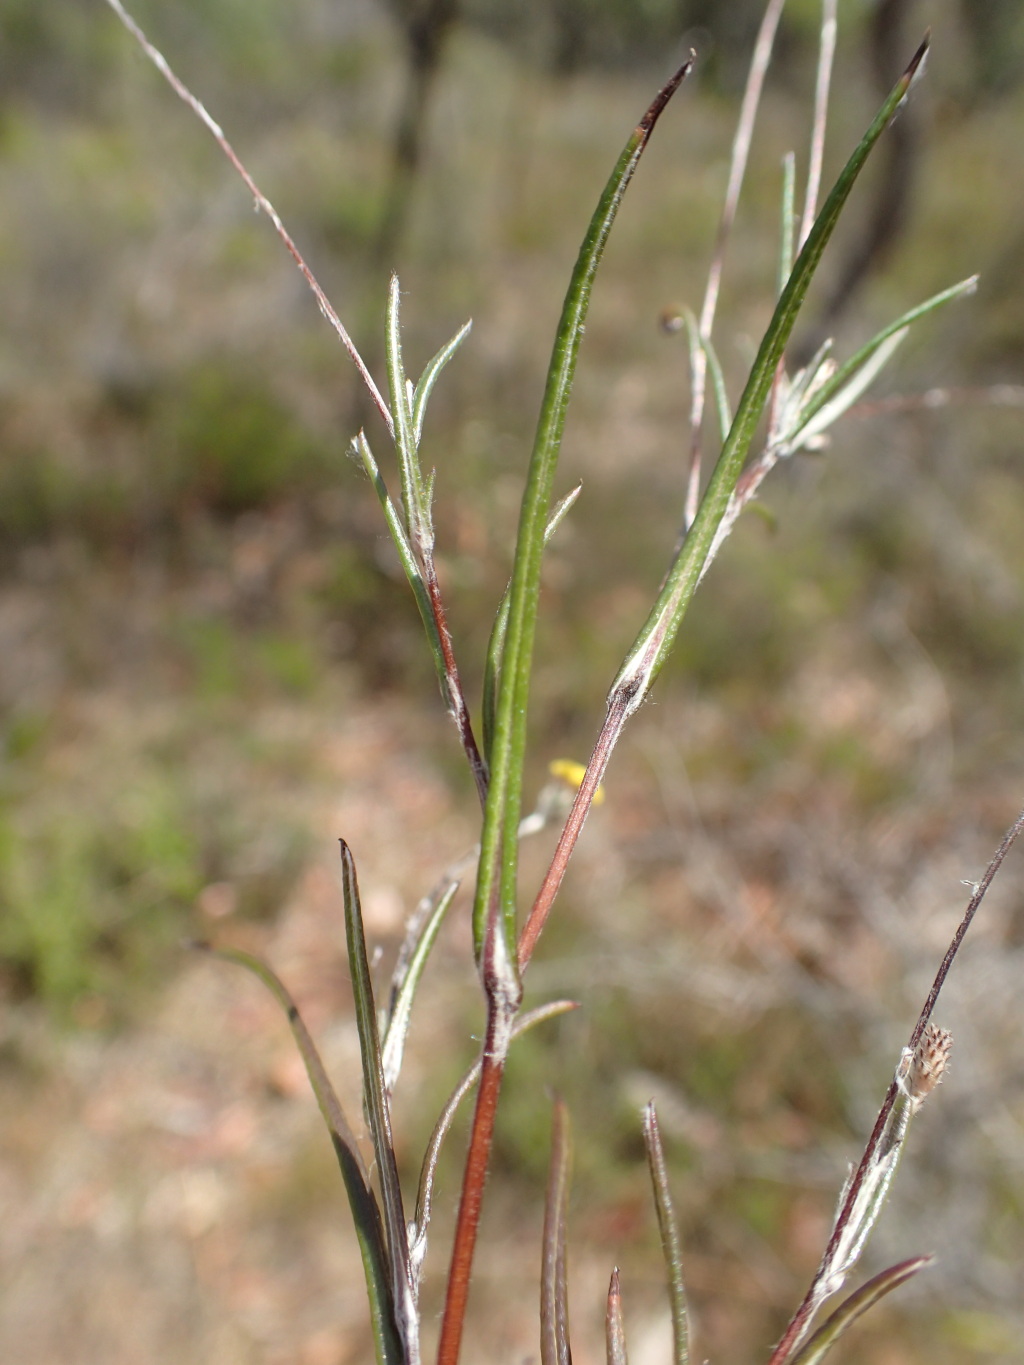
456,698
477,1161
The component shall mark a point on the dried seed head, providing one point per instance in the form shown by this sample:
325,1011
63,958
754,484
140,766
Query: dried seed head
921,1071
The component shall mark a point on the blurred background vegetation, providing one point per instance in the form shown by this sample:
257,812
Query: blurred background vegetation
204,639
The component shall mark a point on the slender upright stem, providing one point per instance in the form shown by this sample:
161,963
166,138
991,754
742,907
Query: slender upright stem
481,1139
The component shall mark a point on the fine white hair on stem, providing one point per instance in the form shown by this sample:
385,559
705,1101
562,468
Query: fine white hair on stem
737,169
262,202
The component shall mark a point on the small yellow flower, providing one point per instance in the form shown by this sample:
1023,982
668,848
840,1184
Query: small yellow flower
572,774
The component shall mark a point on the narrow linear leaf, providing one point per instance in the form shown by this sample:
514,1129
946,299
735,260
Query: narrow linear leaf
554,1293
655,641
365,1212
496,643
498,856
669,1231
429,377
839,381
397,1029
858,1303
614,1328
377,1109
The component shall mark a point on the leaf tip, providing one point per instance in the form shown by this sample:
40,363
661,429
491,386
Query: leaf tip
916,68
663,96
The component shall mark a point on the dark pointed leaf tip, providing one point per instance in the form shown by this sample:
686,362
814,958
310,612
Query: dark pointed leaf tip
663,96
918,57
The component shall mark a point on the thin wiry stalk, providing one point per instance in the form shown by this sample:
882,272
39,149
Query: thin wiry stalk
799,1324
611,731
826,58
262,202
554,1290
737,169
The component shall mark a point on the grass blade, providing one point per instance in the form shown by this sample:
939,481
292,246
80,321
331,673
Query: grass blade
496,643
614,1328
499,845
378,1112
554,1293
365,1211
655,641
858,1303
669,1237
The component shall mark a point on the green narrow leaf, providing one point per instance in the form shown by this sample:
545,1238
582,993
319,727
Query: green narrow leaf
554,1293
669,1237
859,1302
614,1328
499,843
429,378
655,641
365,1212
828,393
377,1110
496,643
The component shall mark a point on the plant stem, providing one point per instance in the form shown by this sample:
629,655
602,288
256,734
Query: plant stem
492,1069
